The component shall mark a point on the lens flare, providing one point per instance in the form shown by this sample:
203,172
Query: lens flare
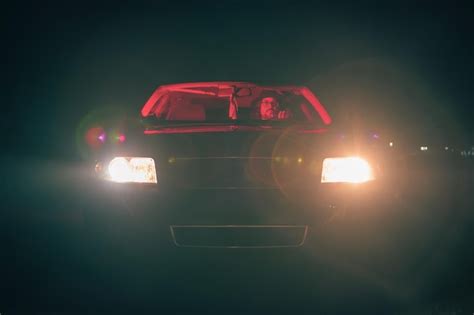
95,137
87,137
121,138
102,137
117,137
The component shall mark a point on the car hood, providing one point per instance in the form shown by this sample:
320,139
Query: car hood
235,157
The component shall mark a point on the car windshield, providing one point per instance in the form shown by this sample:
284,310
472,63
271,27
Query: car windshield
253,107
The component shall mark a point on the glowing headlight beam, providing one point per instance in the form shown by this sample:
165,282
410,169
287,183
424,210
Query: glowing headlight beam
132,169
346,170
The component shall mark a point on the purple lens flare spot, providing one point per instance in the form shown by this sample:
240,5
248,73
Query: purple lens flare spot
102,137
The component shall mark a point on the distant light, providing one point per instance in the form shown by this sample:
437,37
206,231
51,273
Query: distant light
300,160
446,148
424,148
391,144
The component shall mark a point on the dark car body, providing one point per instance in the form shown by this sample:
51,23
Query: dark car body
233,181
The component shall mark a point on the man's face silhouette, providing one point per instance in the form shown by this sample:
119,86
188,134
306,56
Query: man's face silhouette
268,108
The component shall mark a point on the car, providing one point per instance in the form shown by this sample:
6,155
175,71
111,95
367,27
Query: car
203,169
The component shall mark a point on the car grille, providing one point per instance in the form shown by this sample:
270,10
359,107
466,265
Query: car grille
239,236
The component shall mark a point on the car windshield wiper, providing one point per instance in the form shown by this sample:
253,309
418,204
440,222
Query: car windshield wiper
192,123
154,123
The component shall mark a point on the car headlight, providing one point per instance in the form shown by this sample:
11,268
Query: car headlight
132,169
346,170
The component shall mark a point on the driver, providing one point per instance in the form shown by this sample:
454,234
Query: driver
270,109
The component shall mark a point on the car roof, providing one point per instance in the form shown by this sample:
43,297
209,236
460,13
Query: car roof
208,84
225,84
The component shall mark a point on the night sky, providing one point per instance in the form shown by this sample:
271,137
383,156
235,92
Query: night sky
404,69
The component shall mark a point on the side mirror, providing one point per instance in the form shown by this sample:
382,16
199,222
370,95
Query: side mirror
146,121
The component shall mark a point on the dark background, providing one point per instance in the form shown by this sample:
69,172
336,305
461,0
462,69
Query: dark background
405,69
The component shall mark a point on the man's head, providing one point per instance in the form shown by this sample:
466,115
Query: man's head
269,108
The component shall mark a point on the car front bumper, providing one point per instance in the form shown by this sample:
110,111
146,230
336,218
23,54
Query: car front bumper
180,217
